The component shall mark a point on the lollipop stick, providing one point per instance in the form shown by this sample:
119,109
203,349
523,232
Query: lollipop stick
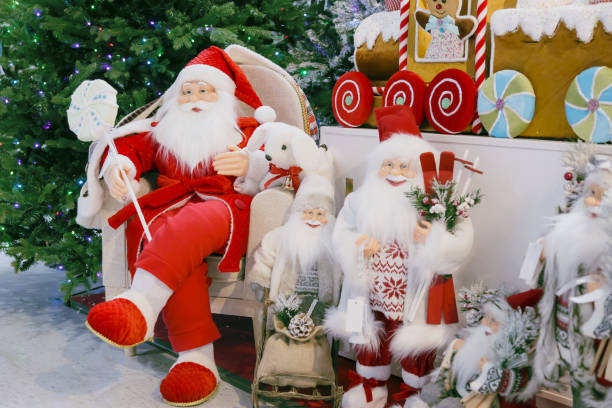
460,174
113,149
469,180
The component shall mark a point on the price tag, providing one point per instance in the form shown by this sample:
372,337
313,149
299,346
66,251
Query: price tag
355,313
530,263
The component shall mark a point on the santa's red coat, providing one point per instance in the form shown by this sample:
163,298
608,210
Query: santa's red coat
176,188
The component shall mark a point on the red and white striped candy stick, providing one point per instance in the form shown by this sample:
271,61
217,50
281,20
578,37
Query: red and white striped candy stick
481,52
403,39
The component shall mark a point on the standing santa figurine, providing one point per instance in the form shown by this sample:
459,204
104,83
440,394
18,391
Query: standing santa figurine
195,146
391,260
571,264
491,363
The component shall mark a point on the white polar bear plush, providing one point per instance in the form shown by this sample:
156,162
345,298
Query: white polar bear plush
289,151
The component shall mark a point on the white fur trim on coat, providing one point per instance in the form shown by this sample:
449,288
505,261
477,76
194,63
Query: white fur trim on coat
413,339
414,380
335,325
380,373
91,197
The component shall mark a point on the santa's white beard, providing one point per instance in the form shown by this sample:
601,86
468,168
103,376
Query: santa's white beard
576,239
302,245
477,345
384,212
196,137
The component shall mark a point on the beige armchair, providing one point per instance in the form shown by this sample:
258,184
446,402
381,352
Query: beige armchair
229,293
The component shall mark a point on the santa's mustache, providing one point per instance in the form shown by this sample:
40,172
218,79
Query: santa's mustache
201,105
396,179
313,223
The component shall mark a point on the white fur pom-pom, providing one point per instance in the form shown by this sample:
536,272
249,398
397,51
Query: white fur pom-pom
265,114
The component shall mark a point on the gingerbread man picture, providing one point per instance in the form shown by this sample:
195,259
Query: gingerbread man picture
448,30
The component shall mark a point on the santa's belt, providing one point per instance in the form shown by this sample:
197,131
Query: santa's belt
171,189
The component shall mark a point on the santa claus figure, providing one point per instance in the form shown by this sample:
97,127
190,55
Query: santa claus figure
573,252
195,146
397,298
491,363
297,257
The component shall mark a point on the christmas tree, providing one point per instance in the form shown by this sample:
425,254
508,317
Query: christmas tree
49,47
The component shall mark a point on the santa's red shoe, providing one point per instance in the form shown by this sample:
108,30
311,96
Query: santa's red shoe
188,384
118,322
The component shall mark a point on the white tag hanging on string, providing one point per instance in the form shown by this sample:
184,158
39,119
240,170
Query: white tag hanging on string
356,318
355,313
529,268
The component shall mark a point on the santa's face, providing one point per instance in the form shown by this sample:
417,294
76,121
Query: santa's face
491,324
314,217
396,171
594,193
196,122
197,96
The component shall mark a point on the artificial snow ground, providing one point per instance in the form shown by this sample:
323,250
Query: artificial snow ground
48,358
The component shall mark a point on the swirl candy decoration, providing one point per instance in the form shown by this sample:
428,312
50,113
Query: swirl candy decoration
352,99
450,100
406,88
506,103
93,109
588,105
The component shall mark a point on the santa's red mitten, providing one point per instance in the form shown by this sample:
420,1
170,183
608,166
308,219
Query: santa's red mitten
188,384
118,322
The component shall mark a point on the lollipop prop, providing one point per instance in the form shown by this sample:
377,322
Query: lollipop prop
91,116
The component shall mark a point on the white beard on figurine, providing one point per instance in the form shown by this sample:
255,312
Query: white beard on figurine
478,343
195,137
303,243
574,249
577,238
383,212
296,258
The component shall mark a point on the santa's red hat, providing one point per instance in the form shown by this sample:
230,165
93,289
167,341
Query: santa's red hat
396,119
214,66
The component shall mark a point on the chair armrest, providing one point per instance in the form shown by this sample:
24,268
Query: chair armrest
268,210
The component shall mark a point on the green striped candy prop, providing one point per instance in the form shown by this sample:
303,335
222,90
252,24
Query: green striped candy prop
506,103
588,105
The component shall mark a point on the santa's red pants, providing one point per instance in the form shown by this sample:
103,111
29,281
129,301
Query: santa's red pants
182,238
418,365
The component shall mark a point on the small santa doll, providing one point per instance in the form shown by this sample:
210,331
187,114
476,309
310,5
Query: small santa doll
195,146
491,363
297,256
573,253
397,297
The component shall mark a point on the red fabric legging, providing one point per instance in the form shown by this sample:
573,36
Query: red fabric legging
182,238
419,365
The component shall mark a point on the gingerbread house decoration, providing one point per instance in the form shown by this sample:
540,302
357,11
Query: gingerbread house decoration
551,45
